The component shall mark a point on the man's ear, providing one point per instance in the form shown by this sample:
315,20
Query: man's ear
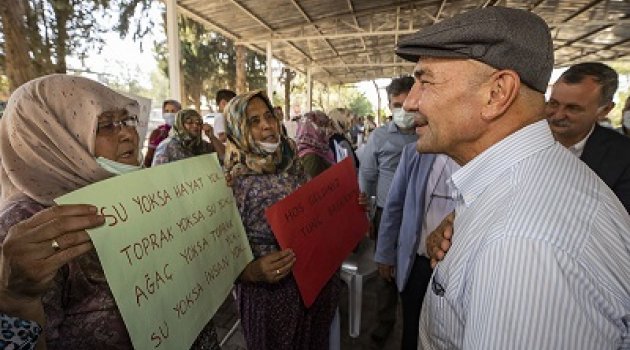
503,88
603,111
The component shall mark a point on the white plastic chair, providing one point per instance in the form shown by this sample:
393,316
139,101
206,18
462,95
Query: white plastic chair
355,270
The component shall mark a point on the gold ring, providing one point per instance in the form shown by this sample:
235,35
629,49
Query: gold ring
55,245
277,271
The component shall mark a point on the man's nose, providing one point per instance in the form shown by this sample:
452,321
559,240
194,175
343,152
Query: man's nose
413,98
554,112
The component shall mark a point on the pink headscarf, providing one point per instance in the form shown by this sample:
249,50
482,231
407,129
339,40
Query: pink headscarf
313,132
47,137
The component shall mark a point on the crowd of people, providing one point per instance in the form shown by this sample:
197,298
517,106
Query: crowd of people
501,219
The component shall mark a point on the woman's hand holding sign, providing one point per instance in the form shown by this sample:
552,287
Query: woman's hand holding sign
270,268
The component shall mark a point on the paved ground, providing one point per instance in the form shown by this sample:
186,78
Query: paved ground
227,315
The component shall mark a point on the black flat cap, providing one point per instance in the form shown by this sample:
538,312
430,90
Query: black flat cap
501,37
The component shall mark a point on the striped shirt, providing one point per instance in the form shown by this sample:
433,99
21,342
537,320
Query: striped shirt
540,258
380,158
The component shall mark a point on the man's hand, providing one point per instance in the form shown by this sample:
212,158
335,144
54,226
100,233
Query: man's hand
439,241
387,272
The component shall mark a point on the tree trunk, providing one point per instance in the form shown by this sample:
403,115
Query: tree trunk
240,70
289,75
378,107
62,9
18,63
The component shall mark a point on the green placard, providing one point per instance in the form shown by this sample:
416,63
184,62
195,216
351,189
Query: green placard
171,248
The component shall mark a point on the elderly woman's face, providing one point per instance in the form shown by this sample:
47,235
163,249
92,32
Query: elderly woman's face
193,125
117,138
262,122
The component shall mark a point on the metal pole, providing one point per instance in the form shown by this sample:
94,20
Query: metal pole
269,77
309,89
172,33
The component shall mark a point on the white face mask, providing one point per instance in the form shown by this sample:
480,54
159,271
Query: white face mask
169,118
402,118
115,167
269,147
626,119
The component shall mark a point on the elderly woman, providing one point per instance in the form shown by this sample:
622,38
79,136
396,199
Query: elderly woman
186,139
58,134
169,109
264,168
313,134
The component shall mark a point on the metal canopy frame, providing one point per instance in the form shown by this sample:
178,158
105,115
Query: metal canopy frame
339,42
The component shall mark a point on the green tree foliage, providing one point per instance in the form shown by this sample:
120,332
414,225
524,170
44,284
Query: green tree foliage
360,105
208,63
38,35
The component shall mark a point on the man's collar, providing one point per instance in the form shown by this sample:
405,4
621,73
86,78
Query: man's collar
392,127
473,178
578,148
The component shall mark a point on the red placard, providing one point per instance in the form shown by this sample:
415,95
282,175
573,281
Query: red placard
322,222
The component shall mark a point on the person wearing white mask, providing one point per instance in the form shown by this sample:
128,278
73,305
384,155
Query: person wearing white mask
186,139
169,110
378,162
53,291
264,167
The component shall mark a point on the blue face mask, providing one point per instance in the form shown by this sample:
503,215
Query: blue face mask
115,167
169,118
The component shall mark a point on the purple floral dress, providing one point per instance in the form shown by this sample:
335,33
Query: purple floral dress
80,308
273,315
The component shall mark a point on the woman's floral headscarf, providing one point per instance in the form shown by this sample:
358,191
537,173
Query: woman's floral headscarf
242,155
313,132
189,141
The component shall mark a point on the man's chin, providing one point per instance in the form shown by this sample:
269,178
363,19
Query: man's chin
423,147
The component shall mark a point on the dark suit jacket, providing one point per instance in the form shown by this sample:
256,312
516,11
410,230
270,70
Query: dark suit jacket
607,153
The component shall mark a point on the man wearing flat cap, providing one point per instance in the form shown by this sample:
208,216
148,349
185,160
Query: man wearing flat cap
541,254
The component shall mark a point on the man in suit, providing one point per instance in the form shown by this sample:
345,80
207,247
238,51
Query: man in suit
579,99
418,199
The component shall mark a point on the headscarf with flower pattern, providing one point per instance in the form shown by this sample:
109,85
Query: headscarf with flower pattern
313,132
243,156
189,141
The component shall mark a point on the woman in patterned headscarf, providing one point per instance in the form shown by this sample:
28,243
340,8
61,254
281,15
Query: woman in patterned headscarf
60,133
186,140
313,133
265,168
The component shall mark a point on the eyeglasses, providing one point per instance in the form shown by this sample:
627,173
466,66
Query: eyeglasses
193,122
111,127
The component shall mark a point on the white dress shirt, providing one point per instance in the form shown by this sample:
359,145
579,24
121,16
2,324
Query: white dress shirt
438,200
540,258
